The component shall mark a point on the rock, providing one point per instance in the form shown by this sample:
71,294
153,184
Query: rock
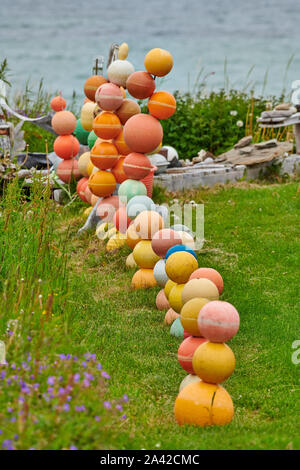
266,145
197,160
244,142
282,107
245,150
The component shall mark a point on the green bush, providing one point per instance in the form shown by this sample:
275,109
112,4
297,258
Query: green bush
206,122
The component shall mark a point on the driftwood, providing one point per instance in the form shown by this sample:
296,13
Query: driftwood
255,154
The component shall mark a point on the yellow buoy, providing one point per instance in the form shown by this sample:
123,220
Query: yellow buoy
123,51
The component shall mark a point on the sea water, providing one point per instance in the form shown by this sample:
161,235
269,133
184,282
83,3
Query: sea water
59,40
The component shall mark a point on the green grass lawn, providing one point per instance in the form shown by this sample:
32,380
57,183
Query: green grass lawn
252,237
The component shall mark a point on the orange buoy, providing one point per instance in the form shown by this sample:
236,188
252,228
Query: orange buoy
104,155
162,105
92,84
66,146
203,404
107,125
102,183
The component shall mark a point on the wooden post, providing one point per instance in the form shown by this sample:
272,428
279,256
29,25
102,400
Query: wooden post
297,137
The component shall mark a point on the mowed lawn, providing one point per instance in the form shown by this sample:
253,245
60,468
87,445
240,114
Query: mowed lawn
252,237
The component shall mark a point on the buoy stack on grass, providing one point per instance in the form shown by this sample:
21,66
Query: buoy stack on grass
145,225
181,262
204,355
66,145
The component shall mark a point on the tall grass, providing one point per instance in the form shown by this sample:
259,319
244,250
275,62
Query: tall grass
53,394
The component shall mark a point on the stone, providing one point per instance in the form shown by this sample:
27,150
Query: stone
245,150
267,144
283,107
244,142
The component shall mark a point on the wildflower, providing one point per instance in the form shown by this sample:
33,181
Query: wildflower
105,375
2,375
125,398
36,386
99,366
80,408
66,407
107,405
62,357
84,364
61,391
51,380
76,377
73,447
269,105
13,419
7,445
239,123
29,338
97,418
233,113
123,416
10,410
86,383
119,407
25,389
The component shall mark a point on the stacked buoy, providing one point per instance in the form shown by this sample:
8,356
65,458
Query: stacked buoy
203,354
66,146
115,177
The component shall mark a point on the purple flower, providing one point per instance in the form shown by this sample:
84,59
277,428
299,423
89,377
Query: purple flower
25,389
68,357
76,377
73,447
13,365
62,357
80,408
125,398
51,380
61,391
28,358
16,437
7,445
10,410
119,407
21,399
97,418
66,407
75,358
69,398
84,364
13,419
29,338
107,405
36,386
99,366
2,375
86,383
105,375
1,432
123,416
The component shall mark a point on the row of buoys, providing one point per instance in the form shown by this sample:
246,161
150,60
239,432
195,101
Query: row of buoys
66,145
191,295
114,174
